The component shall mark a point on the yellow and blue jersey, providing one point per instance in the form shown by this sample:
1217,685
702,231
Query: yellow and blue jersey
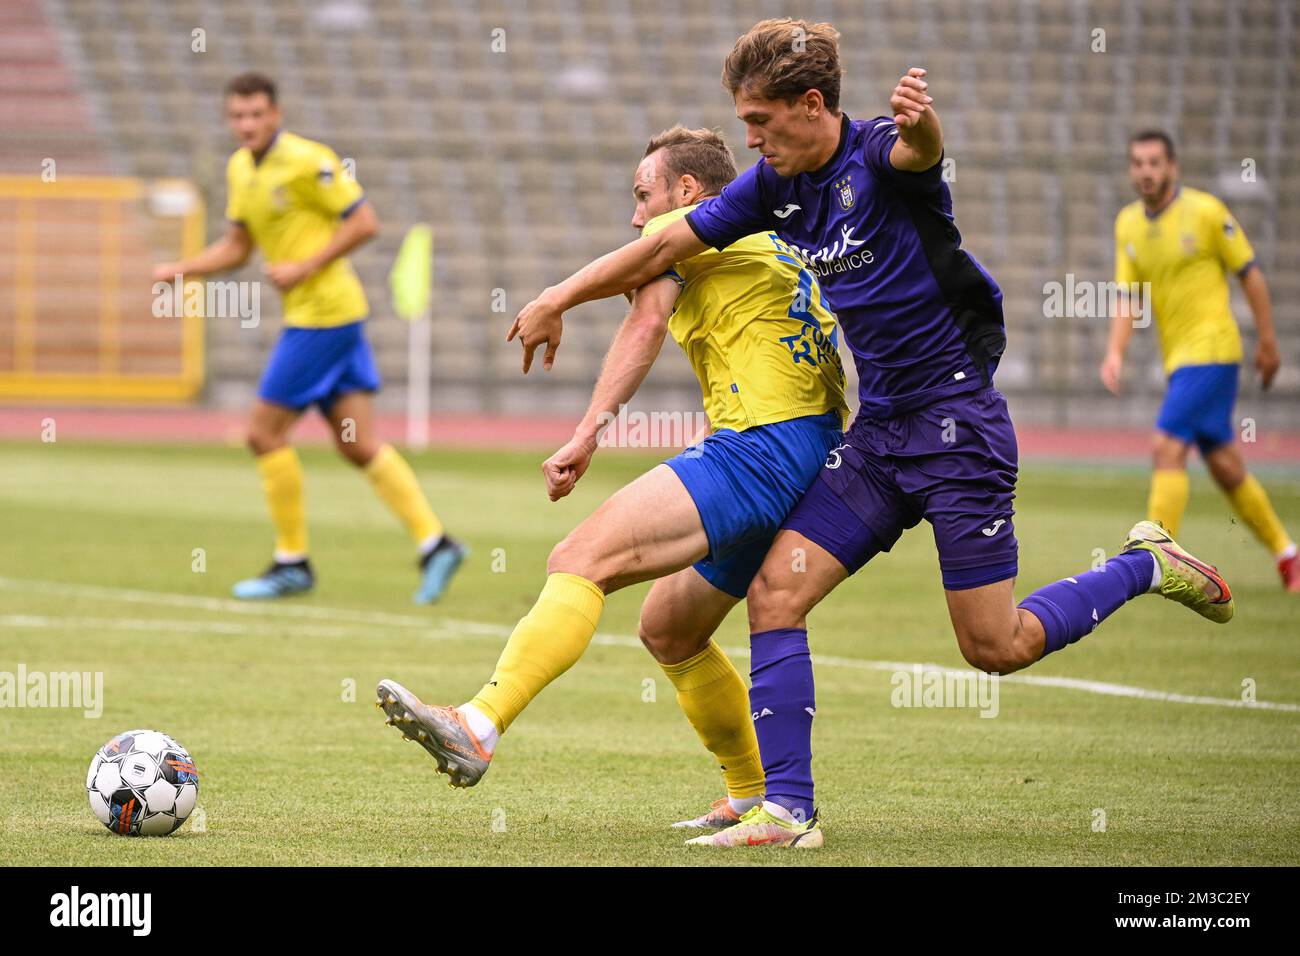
1185,252
757,331
290,201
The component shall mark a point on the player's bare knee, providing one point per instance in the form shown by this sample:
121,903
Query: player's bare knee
985,657
772,601
993,652
356,452
574,555
665,645
1168,453
1228,471
260,441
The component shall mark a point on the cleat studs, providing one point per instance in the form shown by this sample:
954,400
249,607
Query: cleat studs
423,736
388,722
392,699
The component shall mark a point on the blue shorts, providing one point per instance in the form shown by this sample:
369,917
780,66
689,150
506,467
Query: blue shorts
744,483
953,463
1198,405
318,366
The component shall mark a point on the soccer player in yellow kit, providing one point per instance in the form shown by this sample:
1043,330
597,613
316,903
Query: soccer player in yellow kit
762,341
1184,243
291,198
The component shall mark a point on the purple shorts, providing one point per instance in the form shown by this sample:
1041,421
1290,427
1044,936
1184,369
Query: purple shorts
953,463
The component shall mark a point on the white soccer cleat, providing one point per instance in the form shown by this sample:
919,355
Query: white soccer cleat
768,824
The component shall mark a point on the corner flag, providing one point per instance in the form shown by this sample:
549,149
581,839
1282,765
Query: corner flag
411,280
411,283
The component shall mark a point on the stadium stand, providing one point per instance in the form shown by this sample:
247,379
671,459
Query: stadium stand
514,128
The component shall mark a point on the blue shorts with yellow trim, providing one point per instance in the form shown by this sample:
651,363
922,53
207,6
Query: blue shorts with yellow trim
1198,405
318,366
743,485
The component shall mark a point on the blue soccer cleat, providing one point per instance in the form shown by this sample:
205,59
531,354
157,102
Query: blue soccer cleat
279,580
437,568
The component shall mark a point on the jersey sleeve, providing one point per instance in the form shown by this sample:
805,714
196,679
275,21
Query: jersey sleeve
1125,268
878,140
738,211
680,271
234,196
327,185
1229,239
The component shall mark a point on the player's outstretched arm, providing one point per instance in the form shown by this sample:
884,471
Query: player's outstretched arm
628,361
1267,357
229,252
920,137
361,226
541,322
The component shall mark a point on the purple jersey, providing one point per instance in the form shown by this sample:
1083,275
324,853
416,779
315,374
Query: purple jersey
922,318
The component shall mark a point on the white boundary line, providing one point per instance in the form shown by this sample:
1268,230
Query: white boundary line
448,628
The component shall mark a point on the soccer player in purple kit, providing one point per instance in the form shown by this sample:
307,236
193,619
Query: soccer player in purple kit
864,203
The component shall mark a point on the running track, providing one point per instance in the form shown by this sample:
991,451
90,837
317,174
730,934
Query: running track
528,432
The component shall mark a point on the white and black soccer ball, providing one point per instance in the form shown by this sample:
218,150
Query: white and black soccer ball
142,783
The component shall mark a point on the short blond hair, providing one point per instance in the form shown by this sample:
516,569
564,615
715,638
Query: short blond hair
701,153
782,59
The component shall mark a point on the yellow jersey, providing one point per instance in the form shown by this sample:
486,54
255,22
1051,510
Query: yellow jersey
290,201
1185,251
757,331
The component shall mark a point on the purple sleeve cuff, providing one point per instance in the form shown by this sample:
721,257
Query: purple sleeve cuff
695,228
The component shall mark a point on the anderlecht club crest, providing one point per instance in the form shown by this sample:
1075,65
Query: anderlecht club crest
844,191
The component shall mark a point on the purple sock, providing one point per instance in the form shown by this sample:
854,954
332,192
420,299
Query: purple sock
781,698
1071,608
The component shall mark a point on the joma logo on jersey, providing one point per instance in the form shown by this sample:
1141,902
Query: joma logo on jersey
844,192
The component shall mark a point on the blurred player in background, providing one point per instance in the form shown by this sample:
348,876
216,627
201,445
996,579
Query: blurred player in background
762,342
865,204
290,198
1184,243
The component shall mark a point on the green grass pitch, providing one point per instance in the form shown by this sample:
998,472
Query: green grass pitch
97,574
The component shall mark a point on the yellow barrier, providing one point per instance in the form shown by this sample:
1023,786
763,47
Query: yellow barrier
76,316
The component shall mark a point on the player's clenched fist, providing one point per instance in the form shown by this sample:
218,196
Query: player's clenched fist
563,469
910,99
540,322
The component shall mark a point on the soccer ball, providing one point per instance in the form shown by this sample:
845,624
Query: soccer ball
142,783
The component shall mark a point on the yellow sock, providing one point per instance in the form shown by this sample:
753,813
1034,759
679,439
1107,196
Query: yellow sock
545,643
394,482
1250,501
716,701
1168,501
282,481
